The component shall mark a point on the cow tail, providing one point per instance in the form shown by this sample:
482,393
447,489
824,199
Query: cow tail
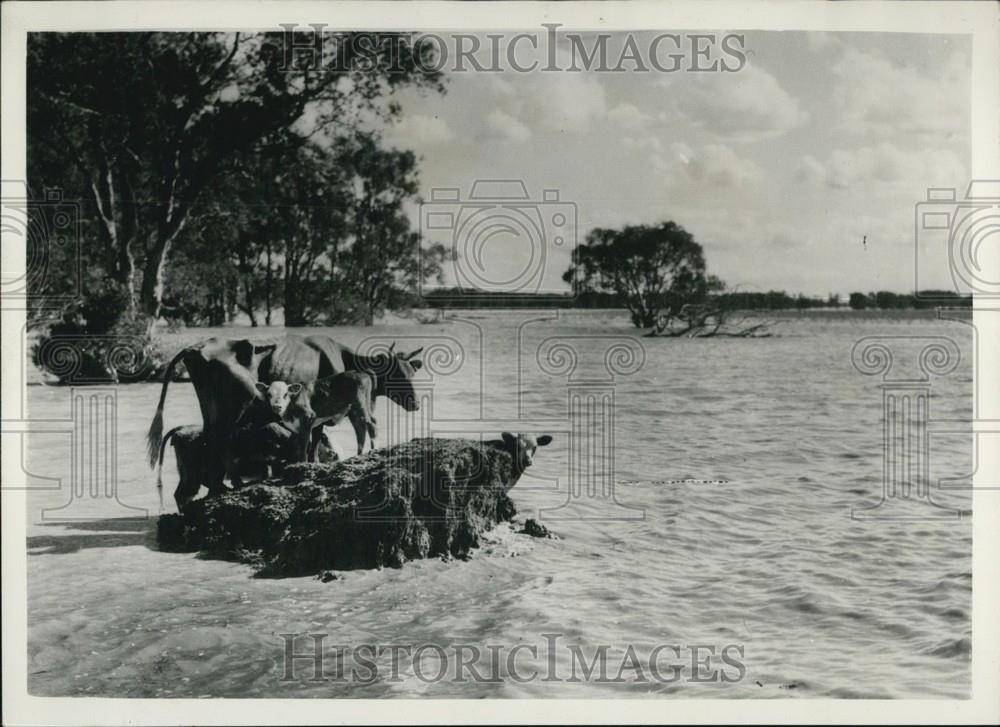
159,467
155,436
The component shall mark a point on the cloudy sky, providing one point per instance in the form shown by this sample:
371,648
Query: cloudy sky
779,170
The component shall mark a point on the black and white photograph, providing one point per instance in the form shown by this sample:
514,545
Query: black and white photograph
500,351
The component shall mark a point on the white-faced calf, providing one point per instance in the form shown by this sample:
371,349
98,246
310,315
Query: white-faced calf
278,395
522,448
273,430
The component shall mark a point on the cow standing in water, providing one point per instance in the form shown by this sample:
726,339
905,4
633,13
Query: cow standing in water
225,373
312,358
334,397
272,430
192,463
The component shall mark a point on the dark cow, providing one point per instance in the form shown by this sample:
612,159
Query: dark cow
522,448
279,446
192,463
348,394
307,359
276,432
224,374
304,360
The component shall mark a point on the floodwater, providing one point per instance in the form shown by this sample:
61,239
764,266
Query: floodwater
712,537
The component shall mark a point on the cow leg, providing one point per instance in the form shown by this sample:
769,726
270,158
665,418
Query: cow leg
186,490
217,465
360,425
325,452
316,436
190,483
231,463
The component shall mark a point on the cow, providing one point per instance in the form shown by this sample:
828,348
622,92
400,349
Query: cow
303,360
189,449
278,395
350,394
192,463
274,429
307,359
224,374
522,448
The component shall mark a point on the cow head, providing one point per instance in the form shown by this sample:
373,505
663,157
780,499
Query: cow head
394,377
523,447
279,395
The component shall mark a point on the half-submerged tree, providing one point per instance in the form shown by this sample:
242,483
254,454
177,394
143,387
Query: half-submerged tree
652,269
658,273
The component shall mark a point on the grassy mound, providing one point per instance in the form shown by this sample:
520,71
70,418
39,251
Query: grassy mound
425,498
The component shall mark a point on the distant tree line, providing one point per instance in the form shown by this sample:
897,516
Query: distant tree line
593,299
886,300
772,300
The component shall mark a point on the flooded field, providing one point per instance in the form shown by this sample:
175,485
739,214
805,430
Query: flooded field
734,463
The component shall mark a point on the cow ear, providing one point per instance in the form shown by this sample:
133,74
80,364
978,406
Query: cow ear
544,440
294,389
509,439
416,364
261,387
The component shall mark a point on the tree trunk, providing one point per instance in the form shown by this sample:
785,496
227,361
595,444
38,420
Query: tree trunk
267,286
151,293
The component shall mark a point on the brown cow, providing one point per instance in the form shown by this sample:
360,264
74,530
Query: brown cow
192,463
224,374
307,359
347,394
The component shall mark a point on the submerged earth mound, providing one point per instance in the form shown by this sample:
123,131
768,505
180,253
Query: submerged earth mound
425,498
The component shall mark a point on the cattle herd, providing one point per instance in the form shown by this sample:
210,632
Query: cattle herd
265,405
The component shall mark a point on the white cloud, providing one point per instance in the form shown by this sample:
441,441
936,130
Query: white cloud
712,165
811,170
876,97
562,102
627,116
883,167
505,126
422,130
743,106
